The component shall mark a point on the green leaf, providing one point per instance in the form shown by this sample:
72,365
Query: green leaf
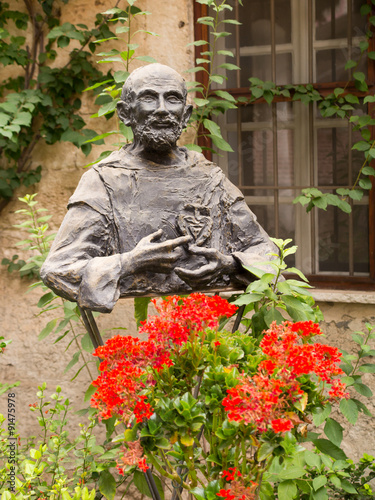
287,490
96,85
141,484
120,76
344,206
365,183
320,414
193,147
212,127
265,451
319,481
73,361
229,66
312,459
87,343
45,299
90,392
217,79
248,298
107,485
361,146
221,143
333,430
201,102
320,494
225,95
358,75
47,329
353,99
330,449
356,194
292,472
349,409
367,368
141,309
349,488
363,390
146,58
273,315
198,493
368,171
296,309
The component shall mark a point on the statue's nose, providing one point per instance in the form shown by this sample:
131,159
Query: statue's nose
161,109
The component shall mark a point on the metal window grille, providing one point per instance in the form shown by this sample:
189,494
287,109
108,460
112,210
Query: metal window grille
283,148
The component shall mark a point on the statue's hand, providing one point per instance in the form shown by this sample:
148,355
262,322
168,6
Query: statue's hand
218,264
151,255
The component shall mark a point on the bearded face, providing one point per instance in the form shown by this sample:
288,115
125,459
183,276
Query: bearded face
158,134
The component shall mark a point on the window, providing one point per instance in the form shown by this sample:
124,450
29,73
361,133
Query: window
284,147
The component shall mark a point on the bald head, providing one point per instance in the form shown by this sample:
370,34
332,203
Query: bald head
153,104
156,73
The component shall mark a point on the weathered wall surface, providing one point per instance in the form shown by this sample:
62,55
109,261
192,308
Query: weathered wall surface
340,321
32,362
27,360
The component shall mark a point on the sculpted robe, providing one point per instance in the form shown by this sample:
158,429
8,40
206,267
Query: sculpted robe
121,200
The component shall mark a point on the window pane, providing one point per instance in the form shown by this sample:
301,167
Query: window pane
261,67
330,65
233,163
332,19
256,22
333,149
333,248
285,157
258,158
360,239
287,220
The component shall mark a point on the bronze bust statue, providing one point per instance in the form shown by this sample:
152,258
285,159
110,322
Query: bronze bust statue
153,218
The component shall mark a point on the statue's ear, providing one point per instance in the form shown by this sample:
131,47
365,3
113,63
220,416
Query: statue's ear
123,112
187,114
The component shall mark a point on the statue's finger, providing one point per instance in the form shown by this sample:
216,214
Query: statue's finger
181,240
194,273
195,249
156,235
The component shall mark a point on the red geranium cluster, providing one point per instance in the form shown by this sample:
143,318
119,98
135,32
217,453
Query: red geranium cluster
265,399
179,318
126,361
238,490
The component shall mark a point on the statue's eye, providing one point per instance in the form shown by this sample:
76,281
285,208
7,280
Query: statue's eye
173,99
148,98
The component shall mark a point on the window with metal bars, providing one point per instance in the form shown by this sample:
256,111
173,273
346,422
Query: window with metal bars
284,147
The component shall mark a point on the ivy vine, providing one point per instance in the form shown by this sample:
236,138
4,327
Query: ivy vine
43,100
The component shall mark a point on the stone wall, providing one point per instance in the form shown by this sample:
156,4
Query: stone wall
31,362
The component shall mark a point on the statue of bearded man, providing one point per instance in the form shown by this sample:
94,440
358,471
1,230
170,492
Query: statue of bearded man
153,218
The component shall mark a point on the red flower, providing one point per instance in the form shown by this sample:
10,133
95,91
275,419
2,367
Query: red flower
225,494
262,400
142,465
231,474
142,410
281,425
127,361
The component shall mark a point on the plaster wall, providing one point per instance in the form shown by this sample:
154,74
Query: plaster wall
31,362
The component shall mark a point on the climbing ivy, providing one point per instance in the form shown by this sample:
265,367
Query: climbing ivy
209,101
42,97
110,94
343,104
